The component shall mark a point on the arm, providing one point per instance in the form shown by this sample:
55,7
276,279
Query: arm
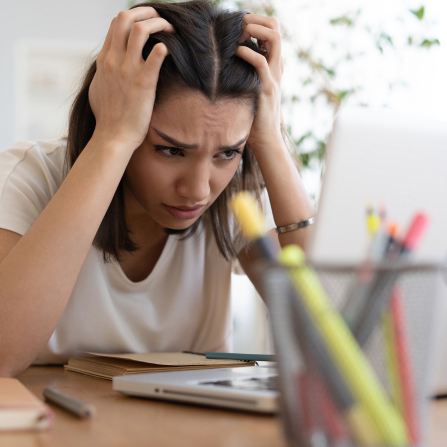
247,259
288,197
38,271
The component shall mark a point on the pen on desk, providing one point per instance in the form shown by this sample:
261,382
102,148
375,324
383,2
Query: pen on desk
69,403
238,356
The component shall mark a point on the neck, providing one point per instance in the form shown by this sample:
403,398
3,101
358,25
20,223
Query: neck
149,236
144,230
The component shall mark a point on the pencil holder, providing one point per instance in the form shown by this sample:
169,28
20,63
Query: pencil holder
355,349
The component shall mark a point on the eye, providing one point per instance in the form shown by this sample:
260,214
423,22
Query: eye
229,155
169,151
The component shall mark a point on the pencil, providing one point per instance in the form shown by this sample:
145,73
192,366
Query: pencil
75,406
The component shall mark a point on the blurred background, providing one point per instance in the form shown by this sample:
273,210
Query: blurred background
383,53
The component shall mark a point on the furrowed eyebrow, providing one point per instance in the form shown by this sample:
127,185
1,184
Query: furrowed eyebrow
234,146
176,143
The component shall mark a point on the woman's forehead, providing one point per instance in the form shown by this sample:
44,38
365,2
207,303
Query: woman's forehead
193,116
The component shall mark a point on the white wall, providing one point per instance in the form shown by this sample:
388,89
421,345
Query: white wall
81,21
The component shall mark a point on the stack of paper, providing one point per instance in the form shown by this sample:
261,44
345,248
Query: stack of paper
106,366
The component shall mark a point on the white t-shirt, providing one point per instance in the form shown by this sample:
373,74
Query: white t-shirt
184,304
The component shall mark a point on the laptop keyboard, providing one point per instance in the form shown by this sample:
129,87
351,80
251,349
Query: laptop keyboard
249,384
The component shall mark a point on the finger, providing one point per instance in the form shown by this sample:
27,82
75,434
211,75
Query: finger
140,34
259,62
107,43
272,43
153,64
124,23
268,22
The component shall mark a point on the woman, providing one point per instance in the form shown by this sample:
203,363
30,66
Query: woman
91,260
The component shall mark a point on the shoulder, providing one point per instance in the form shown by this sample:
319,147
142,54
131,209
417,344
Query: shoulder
46,156
31,172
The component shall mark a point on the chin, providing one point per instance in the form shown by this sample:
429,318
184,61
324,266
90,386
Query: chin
172,231
181,228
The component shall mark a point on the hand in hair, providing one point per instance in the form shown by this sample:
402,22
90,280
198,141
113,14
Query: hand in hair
267,123
288,197
122,92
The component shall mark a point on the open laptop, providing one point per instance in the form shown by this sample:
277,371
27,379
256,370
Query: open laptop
382,157
376,155
394,159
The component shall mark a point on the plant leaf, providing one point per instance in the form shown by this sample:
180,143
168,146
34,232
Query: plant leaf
305,159
419,13
428,43
343,94
387,38
302,138
329,71
343,20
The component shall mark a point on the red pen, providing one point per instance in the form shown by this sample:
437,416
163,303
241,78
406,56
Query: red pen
404,366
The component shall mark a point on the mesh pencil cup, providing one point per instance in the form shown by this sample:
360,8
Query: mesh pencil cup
355,352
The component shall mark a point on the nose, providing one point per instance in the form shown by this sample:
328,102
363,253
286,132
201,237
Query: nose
194,184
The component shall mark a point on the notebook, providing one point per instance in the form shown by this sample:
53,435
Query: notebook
20,409
107,366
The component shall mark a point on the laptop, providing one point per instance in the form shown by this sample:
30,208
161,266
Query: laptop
381,157
252,388
394,159
374,155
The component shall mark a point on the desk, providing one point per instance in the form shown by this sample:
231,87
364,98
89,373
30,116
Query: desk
125,421
132,422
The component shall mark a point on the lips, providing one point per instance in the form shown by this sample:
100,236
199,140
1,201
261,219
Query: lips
184,212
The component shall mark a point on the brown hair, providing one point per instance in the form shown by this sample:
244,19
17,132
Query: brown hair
201,59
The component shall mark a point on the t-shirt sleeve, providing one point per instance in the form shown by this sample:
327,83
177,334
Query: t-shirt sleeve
29,178
269,225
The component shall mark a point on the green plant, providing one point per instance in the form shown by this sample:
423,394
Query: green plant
320,80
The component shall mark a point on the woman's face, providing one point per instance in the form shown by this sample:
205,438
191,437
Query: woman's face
190,154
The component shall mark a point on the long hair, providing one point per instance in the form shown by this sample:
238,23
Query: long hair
202,59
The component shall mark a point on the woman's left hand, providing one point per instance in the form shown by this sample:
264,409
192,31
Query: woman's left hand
288,197
266,128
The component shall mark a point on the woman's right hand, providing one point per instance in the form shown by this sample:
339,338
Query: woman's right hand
122,92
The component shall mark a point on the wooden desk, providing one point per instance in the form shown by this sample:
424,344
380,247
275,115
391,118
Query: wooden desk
128,421
125,421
